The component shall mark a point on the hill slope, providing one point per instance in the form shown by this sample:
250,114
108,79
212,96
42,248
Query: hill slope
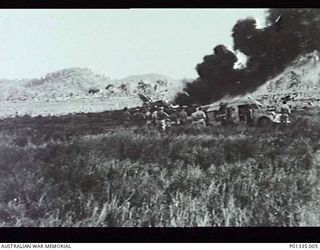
302,77
61,84
78,82
81,90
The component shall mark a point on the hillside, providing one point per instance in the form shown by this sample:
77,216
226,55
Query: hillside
82,82
62,84
69,82
302,78
81,90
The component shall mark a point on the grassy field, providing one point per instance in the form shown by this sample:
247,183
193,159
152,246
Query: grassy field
235,176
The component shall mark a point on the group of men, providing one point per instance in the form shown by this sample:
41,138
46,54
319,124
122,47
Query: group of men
163,118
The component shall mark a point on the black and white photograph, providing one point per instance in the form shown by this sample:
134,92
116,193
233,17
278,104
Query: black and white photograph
160,118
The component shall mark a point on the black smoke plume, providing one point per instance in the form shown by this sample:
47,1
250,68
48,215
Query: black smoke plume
288,34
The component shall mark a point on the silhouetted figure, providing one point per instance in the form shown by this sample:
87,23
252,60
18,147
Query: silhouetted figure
126,117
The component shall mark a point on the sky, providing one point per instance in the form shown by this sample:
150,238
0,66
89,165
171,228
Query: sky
114,42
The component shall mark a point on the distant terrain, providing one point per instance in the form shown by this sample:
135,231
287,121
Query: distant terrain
82,82
80,90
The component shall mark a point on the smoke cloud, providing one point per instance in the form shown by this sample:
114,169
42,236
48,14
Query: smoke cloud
269,50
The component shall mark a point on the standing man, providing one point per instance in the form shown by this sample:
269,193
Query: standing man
182,116
199,117
126,117
161,116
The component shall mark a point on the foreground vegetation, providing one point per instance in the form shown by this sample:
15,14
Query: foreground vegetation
239,176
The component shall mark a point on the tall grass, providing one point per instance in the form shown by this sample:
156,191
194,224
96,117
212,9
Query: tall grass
239,176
